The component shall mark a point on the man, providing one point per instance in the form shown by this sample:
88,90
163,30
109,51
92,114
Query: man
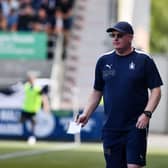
123,78
34,99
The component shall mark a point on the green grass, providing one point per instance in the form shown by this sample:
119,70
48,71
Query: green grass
84,156
157,161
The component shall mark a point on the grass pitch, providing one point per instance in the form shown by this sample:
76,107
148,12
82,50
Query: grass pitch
18,154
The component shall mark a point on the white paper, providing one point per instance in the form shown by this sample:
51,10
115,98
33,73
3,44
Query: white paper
74,128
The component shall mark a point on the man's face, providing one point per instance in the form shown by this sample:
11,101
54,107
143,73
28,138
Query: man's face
121,40
31,79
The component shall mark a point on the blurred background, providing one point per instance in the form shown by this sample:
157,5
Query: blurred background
61,41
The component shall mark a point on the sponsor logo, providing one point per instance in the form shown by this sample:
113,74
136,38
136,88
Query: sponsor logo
132,66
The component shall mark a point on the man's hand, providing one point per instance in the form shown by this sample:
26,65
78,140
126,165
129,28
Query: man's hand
83,119
142,122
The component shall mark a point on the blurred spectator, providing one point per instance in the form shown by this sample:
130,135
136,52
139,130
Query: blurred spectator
24,3
50,6
26,19
47,24
3,23
36,4
12,20
43,22
65,9
7,5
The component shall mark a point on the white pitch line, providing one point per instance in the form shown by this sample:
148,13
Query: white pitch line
34,152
